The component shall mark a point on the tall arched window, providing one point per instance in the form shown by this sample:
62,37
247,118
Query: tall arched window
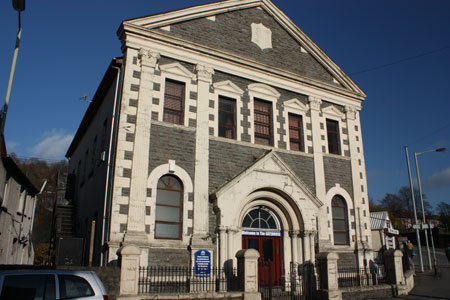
340,221
169,208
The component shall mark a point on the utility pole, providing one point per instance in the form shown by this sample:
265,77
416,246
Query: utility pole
419,247
19,6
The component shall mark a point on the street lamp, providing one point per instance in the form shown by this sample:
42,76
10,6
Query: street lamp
419,247
421,200
19,6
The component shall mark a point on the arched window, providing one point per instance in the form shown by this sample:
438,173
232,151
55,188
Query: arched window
340,221
169,208
260,218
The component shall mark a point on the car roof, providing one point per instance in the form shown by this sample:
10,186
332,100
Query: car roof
62,272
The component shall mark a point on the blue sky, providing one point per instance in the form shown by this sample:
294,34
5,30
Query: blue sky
67,45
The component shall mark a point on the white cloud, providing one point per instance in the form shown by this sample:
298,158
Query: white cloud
439,180
53,145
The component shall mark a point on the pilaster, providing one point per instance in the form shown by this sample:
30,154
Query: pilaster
306,246
358,192
201,182
139,172
315,104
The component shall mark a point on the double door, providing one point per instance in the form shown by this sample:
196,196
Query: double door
270,251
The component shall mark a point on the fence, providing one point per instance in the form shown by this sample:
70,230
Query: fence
300,282
352,277
162,280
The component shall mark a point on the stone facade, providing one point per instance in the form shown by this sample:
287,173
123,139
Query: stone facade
247,51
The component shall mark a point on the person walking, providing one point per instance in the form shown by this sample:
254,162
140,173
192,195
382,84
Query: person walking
410,249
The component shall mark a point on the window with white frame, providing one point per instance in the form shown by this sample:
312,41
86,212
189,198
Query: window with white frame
227,117
263,122
296,141
340,221
174,102
333,137
169,208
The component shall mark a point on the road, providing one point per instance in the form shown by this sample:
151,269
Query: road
428,286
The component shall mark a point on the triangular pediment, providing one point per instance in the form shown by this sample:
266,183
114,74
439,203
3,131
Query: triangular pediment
296,105
333,111
176,69
198,27
264,90
273,166
228,86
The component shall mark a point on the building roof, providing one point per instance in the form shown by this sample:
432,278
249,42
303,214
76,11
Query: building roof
380,220
97,100
13,170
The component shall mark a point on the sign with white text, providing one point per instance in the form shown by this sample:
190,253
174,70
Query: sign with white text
261,233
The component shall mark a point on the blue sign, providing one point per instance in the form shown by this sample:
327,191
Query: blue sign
261,233
202,263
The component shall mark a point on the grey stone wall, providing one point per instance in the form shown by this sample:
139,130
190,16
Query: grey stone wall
231,32
226,160
338,170
347,260
172,143
303,167
168,257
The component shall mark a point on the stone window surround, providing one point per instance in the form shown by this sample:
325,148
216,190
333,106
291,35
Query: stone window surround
228,89
269,94
333,114
337,190
295,107
170,169
176,71
262,91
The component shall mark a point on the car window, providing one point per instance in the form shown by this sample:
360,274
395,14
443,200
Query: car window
71,286
28,287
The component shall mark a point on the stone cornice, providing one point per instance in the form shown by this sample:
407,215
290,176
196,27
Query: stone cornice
240,66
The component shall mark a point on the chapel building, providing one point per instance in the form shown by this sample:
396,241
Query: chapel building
222,127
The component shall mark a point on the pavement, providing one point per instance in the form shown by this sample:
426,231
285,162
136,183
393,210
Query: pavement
428,285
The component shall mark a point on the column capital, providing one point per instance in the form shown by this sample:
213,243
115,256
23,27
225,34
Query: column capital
148,58
308,232
204,72
220,229
315,103
294,233
350,112
232,229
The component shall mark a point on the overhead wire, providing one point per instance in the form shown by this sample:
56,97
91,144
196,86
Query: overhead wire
400,61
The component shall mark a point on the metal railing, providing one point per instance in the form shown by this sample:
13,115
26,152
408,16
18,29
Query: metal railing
299,283
352,277
161,280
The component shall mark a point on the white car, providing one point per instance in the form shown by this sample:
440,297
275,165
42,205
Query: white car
51,285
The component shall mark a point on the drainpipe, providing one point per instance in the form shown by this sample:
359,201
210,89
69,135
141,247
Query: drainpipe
109,170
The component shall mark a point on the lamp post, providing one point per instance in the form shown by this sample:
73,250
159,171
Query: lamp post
421,200
419,247
19,6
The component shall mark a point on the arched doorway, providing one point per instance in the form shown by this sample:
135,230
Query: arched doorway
261,230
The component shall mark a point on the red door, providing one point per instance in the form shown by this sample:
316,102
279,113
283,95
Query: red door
269,248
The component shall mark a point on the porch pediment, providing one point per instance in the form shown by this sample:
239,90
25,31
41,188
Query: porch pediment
270,172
